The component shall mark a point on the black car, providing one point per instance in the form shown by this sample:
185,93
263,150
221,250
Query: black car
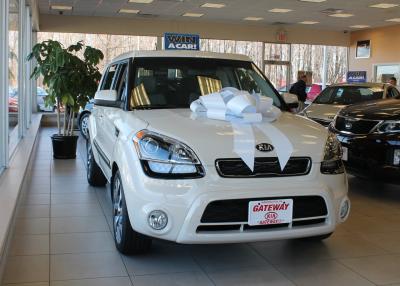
370,136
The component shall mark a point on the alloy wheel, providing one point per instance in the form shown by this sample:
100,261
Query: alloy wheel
117,209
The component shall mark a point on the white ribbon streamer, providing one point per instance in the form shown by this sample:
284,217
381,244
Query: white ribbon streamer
245,110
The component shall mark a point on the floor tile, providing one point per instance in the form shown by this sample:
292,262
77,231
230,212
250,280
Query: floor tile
35,199
114,281
35,211
23,269
75,210
387,240
230,256
173,279
86,265
30,244
82,242
71,188
29,284
261,276
78,224
163,258
32,226
381,270
73,198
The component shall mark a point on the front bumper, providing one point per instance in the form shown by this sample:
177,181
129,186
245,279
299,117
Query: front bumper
185,201
372,156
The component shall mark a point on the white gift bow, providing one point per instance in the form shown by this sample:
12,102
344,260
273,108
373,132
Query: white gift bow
245,110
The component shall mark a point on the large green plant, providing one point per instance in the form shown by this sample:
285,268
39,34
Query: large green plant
71,80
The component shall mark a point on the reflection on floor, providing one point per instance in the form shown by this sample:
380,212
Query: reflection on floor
63,236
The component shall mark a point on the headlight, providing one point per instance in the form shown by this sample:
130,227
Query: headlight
167,158
332,163
388,126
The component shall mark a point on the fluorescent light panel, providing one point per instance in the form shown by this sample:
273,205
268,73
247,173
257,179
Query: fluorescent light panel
196,15
341,15
308,22
213,5
128,11
61,7
360,26
384,5
280,10
253,18
141,1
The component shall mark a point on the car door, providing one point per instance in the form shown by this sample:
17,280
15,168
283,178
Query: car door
102,104
112,114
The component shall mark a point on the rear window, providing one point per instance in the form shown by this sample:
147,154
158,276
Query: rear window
345,95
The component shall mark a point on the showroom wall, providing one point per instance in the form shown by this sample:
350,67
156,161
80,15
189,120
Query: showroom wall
385,46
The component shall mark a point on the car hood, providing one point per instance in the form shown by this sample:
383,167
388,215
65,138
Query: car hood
375,110
322,111
213,139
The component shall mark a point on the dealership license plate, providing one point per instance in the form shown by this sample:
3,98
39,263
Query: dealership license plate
345,155
270,212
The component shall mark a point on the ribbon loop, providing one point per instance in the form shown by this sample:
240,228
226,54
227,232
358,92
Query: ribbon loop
241,109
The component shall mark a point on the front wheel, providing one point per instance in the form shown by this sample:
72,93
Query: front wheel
126,239
84,125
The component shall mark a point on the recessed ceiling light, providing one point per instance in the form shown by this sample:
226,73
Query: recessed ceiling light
129,11
213,5
280,10
141,1
341,15
61,7
393,20
308,22
253,18
313,1
196,15
360,26
384,5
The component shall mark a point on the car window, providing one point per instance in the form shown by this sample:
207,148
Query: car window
345,95
120,82
177,82
108,77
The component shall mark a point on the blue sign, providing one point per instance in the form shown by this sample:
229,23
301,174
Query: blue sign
356,76
174,41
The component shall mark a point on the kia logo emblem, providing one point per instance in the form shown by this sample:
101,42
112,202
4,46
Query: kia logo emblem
264,147
271,215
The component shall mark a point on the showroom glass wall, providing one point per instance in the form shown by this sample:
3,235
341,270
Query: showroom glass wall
15,84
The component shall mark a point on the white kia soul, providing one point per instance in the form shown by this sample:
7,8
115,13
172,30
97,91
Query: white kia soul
200,148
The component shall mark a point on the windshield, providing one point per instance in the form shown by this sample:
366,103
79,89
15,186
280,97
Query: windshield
345,95
177,82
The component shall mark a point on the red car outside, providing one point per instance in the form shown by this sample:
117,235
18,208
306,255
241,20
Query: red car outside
12,104
314,91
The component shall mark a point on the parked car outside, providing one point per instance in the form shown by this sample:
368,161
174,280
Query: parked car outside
370,135
83,119
178,174
12,100
41,94
314,91
337,96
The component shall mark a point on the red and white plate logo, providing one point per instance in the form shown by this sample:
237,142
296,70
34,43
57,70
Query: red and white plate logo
270,212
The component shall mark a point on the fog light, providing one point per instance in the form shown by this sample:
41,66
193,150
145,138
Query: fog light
396,157
158,219
344,209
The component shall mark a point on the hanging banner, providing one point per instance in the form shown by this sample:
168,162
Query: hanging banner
356,76
174,41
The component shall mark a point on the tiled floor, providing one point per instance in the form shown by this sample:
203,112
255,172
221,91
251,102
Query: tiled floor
63,238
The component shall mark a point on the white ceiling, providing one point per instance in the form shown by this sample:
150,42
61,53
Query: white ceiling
236,10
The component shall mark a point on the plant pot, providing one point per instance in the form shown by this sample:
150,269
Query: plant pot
64,147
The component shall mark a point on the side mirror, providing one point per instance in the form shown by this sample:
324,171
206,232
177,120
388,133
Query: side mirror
291,100
106,95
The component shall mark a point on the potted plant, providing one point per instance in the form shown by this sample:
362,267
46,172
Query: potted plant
71,76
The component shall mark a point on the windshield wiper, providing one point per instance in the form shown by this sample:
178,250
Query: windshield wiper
153,106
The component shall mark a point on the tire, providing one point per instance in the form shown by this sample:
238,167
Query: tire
83,125
318,237
95,176
127,241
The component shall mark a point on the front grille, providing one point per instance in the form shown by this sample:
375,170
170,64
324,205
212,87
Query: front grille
354,126
263,167
231,211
